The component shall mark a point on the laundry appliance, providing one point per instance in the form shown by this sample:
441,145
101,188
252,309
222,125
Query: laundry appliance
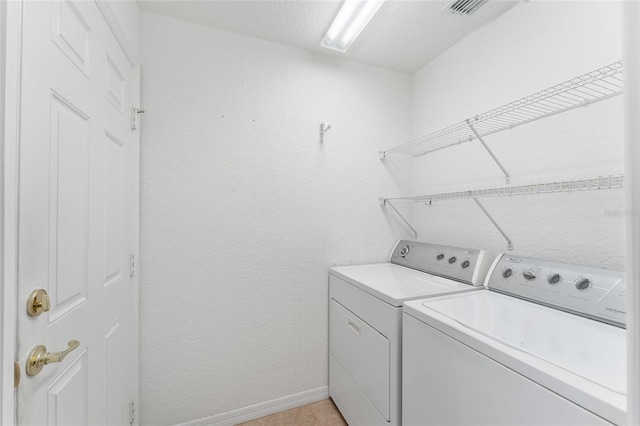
545,343
366,322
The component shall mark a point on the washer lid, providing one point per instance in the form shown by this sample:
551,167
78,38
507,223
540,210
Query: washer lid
570,355
395,284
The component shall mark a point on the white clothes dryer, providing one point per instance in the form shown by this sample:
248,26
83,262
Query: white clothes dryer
494,357
366,322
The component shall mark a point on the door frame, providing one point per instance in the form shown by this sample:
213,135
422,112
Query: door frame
631,57
13,73
10,98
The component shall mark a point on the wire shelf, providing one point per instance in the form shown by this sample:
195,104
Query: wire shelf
587,184
594,86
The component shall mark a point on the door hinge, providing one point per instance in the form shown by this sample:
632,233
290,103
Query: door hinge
134,117
132,265
132,412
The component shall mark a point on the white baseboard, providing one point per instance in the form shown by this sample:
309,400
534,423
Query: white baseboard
262,409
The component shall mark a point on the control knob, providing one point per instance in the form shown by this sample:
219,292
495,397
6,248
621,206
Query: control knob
529,275
553,278
404,251
583,283
452,260
440,256
465,264
507,273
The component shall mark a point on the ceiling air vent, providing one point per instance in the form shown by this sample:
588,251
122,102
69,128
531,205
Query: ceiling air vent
465,7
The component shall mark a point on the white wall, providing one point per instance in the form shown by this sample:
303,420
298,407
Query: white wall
533,46
243,211
3,29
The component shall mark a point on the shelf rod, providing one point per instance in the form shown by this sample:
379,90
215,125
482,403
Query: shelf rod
586,184
484,210
386,201
475,132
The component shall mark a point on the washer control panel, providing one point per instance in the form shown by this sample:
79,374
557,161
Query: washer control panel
592,292
461,264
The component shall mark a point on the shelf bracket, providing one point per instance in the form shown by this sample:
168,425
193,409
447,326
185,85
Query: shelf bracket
475,132
387,202
484,210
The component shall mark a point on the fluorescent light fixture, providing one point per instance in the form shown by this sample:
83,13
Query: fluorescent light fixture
351,20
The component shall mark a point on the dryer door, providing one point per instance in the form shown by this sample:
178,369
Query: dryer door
363,353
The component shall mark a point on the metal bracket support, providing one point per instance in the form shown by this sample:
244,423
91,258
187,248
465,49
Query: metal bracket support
385,202
475,132
484,210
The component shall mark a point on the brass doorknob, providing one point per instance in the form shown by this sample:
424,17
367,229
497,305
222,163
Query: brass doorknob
38,302
39,357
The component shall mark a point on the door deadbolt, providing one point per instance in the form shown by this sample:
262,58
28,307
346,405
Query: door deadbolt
38,302
39,357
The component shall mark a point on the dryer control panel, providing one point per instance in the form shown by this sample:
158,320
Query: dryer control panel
596,293
461,264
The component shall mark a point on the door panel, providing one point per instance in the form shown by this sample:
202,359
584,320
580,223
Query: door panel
72,35
113,347
76,215
67,396
68,202
114,85
114,167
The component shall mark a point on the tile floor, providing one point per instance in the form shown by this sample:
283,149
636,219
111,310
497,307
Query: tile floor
321,413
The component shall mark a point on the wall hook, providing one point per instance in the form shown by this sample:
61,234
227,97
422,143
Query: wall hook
324,128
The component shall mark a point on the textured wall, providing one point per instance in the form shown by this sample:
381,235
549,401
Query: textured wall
3,27
533,46
243,211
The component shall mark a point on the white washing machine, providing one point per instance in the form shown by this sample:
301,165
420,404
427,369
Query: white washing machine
494,357
366,322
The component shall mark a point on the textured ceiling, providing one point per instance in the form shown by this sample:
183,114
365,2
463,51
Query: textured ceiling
403,36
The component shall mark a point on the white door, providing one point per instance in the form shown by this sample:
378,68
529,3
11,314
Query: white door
75,216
